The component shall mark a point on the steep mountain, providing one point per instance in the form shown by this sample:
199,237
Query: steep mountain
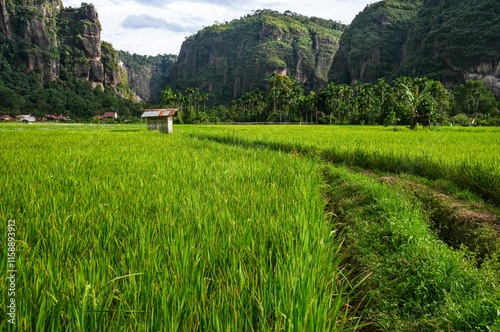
146,74
229,59
48,52
371,47
453,40
82,49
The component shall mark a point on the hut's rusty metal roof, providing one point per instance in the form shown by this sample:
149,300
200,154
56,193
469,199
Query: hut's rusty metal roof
160,112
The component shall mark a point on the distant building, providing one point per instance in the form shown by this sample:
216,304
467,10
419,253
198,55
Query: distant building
6,117
109,115
26,118
160,119
56,118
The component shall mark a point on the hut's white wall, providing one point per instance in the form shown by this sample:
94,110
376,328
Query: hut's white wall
170,125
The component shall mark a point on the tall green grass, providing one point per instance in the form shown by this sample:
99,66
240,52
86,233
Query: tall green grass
416,281
469,157
133,230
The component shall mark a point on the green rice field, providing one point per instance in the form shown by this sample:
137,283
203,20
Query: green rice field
133,230
231,228
467,156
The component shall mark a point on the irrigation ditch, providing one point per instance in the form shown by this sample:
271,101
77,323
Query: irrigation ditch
458,221
427,252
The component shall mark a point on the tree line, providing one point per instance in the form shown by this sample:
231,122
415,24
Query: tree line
382,103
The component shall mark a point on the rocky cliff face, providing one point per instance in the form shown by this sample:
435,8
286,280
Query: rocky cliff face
34,26
489,73
81,30
5,20
372,46
43,38
146,74
230,59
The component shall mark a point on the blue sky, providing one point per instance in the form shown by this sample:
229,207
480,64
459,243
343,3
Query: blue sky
152,27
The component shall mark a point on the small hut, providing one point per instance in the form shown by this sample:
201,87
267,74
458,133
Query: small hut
160,119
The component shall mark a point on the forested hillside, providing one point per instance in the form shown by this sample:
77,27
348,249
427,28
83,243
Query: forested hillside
229,59
371,47
266,66
453,40
449,41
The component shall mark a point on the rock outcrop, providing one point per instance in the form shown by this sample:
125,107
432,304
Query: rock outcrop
33,26
82,33
489,73
42,37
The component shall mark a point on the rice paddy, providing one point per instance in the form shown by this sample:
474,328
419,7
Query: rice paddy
467,156
133,230
123,229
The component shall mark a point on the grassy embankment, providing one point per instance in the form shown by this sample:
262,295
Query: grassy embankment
415,280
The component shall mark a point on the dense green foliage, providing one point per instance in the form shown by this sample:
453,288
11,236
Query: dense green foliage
365,103
232,58
121,228
21,93
450,36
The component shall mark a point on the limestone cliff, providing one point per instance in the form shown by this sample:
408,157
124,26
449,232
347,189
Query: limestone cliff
33,26
44,38
146,74
489,73
81,30
230,59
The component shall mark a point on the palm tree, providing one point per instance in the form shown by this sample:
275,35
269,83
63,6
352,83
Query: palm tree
419,96
365,100
309,103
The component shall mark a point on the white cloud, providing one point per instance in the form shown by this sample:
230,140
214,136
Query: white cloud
145,21
160,26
